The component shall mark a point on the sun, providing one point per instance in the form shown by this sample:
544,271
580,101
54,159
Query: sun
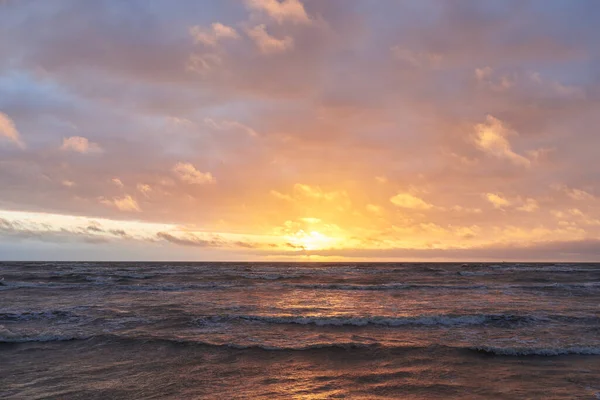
311,240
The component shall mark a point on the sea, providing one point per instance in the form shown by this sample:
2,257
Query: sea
77,330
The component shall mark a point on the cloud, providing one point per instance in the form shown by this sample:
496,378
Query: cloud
58,228
467,232
80,145
119,232
574,193
491,137
204,63
209,241
555,88
281,11
190,240
187,173
126,203
6,225
497,200
468,210
417,59
225,125
211,37
95,228
281,196
375,209
567,250
315,192
268,44
144,189
9,131
407,200
483,73
485,76
516,82
578,194
530,205
117,182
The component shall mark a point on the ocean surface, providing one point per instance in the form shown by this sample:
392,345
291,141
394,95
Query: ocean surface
299,331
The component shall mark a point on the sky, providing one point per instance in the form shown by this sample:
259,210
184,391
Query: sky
300,130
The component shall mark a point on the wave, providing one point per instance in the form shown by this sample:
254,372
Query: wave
346,345
35,315
167,287
218,285
422,320
4,285
344,286
268,277
11,339
502,319
384,286
557,285
549,268
176,287
40,338
417,286
474,273
315,346
539,351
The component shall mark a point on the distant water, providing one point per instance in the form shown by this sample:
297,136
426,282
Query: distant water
293,330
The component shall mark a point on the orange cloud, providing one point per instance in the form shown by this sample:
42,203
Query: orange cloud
211,37
417,59
126,203
187,173
117,182
9,131
144,189
407,200
497,200
268,44
281,11
204,63
80,144
492,138
530,205
225,125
